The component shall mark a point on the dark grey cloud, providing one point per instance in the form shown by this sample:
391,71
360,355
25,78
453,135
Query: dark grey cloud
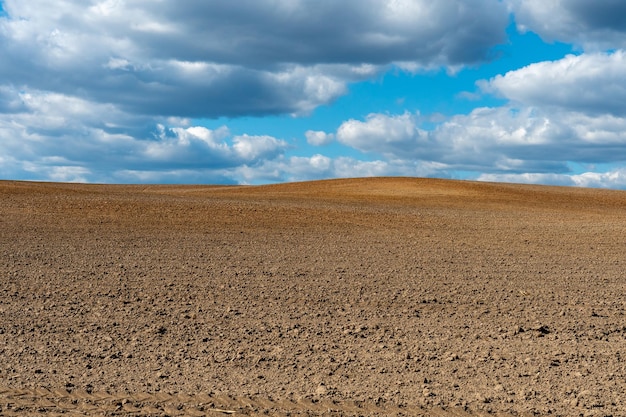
600,14
10,102
326,31
214,58
593,25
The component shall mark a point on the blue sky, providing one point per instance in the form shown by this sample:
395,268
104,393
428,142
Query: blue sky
263,91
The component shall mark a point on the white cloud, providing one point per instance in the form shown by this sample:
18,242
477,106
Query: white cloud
611,179
349,167
537,139
318,138
594,25
384,134
251,148
521,144
62,138
529,178
569,110
496,140
593,83
304,168
68,174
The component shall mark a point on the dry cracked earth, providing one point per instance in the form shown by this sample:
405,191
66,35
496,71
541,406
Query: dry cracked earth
359,297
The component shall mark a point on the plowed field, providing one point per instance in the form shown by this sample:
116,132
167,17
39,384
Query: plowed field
382,296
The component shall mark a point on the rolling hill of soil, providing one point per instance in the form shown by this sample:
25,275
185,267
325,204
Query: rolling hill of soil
381,296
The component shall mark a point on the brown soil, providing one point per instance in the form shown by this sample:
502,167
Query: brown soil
346,297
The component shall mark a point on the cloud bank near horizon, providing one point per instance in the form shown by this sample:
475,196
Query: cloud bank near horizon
111,91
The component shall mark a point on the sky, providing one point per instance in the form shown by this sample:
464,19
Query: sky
267,91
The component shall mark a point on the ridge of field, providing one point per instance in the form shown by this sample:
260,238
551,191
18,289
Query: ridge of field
408,296
423,191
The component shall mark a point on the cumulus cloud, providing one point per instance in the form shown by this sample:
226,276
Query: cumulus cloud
318,138
88,90
384,134
611,179
215,58
63,138
568,110
320,166
107,90
511,143
593,83
593,25
493,140
304,168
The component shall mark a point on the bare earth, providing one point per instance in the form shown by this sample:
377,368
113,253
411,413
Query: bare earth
385,296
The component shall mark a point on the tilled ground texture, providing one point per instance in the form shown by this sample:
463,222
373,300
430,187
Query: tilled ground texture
384,296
